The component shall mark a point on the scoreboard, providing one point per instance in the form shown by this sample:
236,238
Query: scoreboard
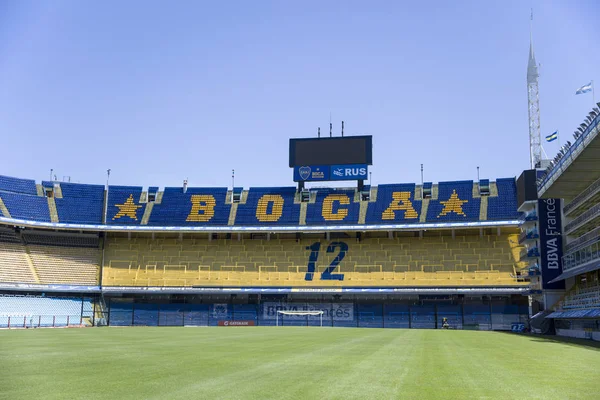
330,159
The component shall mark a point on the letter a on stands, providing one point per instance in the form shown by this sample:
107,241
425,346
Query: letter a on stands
400,202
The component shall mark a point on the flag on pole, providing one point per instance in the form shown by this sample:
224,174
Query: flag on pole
585,88
552,137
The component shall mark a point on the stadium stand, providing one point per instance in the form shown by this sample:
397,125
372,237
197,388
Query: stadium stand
26,206
455,203
124,205
57,239
55,259
40,311
395,203
583,295
403,261
17,185
269,205
69,265
80,203
333,206
197,206
504,206
130,205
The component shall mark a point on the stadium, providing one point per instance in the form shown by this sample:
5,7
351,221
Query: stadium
327,287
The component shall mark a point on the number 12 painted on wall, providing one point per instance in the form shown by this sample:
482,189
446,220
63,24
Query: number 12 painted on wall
326,275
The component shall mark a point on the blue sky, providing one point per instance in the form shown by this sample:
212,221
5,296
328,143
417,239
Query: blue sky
163,91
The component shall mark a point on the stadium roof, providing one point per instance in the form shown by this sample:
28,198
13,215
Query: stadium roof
578,166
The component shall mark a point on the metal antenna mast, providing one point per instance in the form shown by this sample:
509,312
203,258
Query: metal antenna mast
533,104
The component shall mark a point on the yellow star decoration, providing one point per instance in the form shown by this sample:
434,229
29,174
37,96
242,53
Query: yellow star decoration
127,209
454,204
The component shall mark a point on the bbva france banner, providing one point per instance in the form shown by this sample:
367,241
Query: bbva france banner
336,311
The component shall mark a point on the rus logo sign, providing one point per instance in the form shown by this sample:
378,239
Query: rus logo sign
349,172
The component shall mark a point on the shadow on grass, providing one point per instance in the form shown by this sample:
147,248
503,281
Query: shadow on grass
587,343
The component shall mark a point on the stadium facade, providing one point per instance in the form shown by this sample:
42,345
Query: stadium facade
397,255
574,176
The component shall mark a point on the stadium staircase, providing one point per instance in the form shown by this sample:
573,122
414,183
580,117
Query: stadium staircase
483,208
147,213
424,207
493,189
35,274
57,192
4,210
232,214
362,216
405,261
303,208
52,209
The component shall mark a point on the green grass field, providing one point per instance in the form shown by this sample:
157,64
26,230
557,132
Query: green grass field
292,363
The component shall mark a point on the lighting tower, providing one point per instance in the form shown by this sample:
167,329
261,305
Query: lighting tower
533,105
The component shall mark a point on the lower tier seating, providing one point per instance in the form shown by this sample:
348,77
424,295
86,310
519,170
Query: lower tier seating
14,267
37,264
29,311
406,261
72,265
583,295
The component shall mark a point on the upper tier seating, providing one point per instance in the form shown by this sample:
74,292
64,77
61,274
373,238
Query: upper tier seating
406,261
333,206
130,205
455,203
269,206
29,311
198,206
395,204
124,207
504,207
16,185
82,204
26,206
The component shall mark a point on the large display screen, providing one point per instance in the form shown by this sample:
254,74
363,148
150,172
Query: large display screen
331,151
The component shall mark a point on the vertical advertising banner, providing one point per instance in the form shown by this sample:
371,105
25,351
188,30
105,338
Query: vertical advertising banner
551,245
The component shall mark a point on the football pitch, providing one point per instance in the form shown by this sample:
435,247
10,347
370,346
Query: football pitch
292,363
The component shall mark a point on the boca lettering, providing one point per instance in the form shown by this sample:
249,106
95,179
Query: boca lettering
328,203
264,214
203,208
400,202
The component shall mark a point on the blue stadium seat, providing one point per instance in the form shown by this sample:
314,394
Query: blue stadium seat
504,207
124,207
455,203
82,204
395,204
25,206
333,206
269,206
197,206
16,185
